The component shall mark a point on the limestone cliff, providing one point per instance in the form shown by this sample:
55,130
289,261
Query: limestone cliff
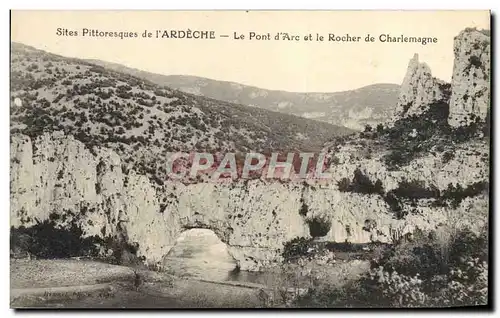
103,182
57,174
420,91
471,77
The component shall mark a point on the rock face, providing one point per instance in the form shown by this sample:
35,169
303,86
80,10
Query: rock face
471,77
420,91
57,174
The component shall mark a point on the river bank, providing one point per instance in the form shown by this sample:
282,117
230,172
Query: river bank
91,284
72,283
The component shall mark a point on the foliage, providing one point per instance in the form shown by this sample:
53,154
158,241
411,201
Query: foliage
413,136
395,205
360,184
411,191
51,240
304,208
424,270
296,248
142,121
399,290
467,285
415,190
380,128
448,155
47,240
454,194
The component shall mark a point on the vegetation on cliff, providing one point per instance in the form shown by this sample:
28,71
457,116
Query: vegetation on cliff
141,121
426,269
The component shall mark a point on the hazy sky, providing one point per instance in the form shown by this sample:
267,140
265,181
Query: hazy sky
291,66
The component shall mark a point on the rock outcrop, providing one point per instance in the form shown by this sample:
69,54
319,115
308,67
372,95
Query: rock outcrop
420,91
470,82
57,174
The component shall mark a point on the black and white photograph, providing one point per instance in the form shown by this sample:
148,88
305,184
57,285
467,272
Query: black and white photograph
250,159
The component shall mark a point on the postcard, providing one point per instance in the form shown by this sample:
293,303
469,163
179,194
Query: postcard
250,159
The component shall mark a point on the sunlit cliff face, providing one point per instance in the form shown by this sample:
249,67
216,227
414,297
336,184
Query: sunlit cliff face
200,253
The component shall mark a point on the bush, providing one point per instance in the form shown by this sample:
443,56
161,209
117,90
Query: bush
475,61
423,255
399,290
420,271
454,194
395,205
415,190
304,208
380,128
46,240
296,248
404,145
467,285
360,184
448,156
344,185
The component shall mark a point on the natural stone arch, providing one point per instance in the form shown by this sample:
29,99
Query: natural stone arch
223,231
200,253
220,228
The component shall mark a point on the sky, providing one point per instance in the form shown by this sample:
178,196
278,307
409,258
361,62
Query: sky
303,66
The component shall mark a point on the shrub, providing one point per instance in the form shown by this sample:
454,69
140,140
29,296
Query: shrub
454,194
360,184
344,185
395,205
421,255
380,128
415,190
47,240
432,129
399,290
467,285
448,156
304,208
296,248
416,273
475,61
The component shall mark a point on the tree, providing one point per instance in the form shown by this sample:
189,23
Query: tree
380,128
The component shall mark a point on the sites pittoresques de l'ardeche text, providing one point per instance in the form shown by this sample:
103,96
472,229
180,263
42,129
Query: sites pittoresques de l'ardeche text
249,36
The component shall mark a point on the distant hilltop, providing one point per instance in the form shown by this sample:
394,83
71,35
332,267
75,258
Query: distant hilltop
354,109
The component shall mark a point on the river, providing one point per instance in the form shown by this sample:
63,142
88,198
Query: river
200,254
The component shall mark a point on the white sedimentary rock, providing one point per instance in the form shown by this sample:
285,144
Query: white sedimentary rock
419,91
471,77
253,218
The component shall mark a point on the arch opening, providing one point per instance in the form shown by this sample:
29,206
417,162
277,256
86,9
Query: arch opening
199,253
